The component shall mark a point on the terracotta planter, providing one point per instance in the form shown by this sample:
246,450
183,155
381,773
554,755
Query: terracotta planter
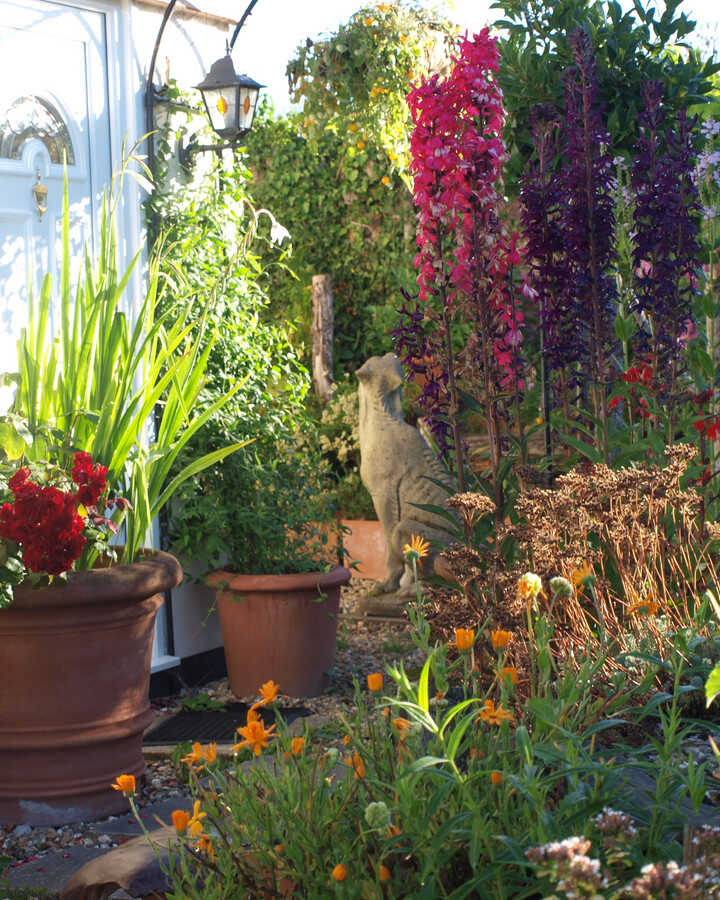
277,627
366,545
74,699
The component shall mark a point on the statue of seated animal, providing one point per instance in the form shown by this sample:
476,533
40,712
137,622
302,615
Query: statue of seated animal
398,467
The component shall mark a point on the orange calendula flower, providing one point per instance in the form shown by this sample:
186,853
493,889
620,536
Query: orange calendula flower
124,783
256,735
279,848
195,756
578,576
402,727
375,681
464,638
346,740
385,180
508,672
384,873
645,607
195,826
494,715
269,692
417,547
500,639
210,752
181,820
529,586
361,145
340,872
496,777
205,845
357,765
394,831
296,745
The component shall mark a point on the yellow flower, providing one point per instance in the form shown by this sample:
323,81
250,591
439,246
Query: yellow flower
195,826
269,692
340,872
296,745
496,777
539,420
195,755
367,21
181,820
385,180
500,639
353,126
494,715
403,38
205,845
384,873
464,638
375,681
417,547
578,576
255,735
402,726
357,765
124,783
529,586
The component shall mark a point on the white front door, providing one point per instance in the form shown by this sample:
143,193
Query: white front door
53,109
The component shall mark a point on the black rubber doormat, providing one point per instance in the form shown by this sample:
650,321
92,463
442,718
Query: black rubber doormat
219,725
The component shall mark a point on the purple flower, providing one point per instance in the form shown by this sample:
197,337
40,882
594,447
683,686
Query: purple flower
666,247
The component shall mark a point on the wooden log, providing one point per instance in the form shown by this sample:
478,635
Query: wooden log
322,336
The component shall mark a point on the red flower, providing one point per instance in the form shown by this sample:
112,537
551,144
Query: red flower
712,432
699,425
44,521
90,478
614,403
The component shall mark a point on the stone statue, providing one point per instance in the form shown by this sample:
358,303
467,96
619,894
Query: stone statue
396,465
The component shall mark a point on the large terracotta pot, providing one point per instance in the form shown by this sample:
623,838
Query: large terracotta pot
279,627
74,697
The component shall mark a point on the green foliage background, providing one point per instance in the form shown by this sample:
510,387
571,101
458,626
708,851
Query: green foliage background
343,221
248,511
630,48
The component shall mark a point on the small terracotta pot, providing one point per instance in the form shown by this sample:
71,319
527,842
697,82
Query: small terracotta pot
74,700
279,627
366,544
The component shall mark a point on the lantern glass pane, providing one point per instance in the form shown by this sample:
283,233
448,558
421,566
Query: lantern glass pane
247,100
221,107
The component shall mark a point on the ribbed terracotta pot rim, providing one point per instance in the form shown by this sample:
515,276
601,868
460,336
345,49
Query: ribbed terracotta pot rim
300,581
149,575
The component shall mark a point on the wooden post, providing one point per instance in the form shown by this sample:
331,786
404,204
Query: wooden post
322,336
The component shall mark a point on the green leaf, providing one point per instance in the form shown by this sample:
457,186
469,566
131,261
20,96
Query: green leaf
712,685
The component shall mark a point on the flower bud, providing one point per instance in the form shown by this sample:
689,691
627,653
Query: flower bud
377,815
561,588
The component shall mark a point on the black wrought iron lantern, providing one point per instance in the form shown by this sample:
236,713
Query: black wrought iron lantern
230,99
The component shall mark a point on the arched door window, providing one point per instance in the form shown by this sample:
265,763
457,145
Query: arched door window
36,118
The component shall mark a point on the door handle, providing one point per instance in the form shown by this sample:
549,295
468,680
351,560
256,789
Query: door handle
40,193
